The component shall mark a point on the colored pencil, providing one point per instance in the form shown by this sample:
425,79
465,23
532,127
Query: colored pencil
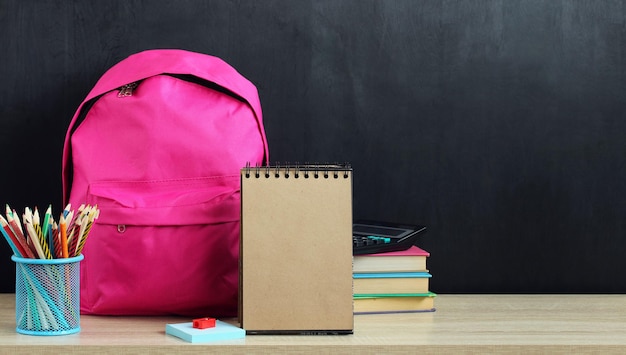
30,238
32,234
94,213
63,228
17,232
76,234
56,237
14,240
45,227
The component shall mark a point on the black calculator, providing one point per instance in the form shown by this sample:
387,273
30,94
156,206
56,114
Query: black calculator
371,237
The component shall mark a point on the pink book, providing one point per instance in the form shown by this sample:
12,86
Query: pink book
412,251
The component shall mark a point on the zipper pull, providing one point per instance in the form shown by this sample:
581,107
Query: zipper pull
127,90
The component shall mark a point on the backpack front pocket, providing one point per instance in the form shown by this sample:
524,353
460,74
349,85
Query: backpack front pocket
162,247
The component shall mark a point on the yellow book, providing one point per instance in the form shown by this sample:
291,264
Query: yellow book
397,282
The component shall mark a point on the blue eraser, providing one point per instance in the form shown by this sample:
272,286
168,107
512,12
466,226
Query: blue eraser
221,331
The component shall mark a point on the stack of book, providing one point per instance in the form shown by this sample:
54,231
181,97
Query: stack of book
392,282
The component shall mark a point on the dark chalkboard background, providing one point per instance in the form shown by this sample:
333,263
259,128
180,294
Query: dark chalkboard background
500,124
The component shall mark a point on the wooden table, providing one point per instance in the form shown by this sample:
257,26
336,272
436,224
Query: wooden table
462,323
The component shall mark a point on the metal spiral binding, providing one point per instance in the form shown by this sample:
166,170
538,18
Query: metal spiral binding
277,170
297,170
247,170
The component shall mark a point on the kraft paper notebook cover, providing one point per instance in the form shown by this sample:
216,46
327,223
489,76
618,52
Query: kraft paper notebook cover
296,250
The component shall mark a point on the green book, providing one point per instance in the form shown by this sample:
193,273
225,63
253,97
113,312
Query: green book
394,303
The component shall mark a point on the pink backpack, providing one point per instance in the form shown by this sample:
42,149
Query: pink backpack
157,145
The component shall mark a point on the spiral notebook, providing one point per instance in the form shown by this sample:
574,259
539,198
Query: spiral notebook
296,250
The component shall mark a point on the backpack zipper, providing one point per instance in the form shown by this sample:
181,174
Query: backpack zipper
127,90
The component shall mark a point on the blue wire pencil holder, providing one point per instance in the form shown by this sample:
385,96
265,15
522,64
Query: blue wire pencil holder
47,295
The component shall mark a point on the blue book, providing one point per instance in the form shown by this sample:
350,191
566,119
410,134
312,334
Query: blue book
221,331
387,275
